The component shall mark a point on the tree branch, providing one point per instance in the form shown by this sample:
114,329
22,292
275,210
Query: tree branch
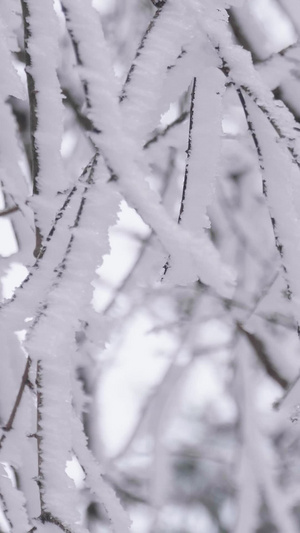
189,148
278,243
9,211
140,48
24,381
166,130
264,358
33,109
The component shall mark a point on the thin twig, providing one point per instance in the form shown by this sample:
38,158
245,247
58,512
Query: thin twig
82,119
39,406
59,215
85,84
48,517
274,124
278,243
33,111
186,173
261,352
45,515
138,52
60,269
32,95
9,211
24,381
166,130
87,125
189,150
263,107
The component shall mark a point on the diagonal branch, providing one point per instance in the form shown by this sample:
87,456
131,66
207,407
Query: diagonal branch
9,211
32,96
24,381
59,215
141,46
264,357
45,515
166,130
278,243
189,148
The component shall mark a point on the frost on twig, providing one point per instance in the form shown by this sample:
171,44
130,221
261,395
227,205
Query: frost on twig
46,111
159,107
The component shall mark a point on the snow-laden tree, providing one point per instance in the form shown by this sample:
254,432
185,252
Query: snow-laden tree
161,141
